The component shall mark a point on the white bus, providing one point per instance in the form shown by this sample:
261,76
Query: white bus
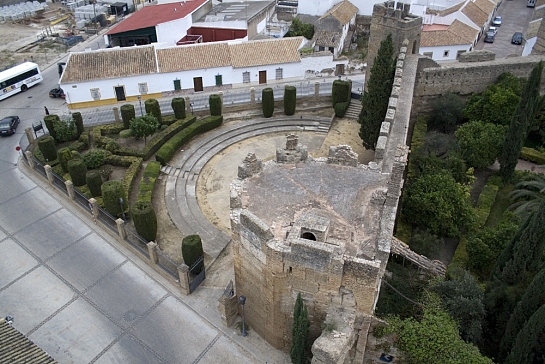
19,78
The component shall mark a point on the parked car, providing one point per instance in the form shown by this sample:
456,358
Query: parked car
497,21
517,38
8,125
489,37
57,92
493,29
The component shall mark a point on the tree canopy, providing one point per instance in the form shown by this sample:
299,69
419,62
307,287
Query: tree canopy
446,112
144,126
480,142
298,28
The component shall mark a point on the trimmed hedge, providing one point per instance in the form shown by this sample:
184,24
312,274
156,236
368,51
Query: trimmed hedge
419,132
192,251
267,102
460,260
215,104
290,99
532,155
49,121
484,204
93,180
145,220
95,158
79,123
127,114
340,109
64,154
134,164
168,150
77,170
340,92
47,147
151,172
153,108
178,106
112,191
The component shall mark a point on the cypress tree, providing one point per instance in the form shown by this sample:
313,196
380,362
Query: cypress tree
77,170
153,108
528,339
215,104
112,191
178,106
78,119
299,331
529,104
290,99
375,99
127,114
47,147
531,300
64,155
267,102
192,251
94,182
145,220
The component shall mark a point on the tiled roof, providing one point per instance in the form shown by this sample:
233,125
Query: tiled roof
486,6
452,9
150,16
198,56
343,12
327,39
16,348
457,34
475,14
263,52
109,63
533,27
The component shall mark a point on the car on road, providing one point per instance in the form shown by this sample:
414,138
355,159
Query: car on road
497,21
517,38
493,29
57,92
8,125
489,37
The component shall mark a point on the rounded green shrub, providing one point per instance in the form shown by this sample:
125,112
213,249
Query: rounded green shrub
267,102
64,154
95,158
127,114
178,105
127,133
47,147
112,146
49,122
340,109
145,220
152,108
192,251
112,191
290,95
79,123
215,104
77,170
94,182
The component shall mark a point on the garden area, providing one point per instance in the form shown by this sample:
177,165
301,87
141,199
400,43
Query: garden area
487,224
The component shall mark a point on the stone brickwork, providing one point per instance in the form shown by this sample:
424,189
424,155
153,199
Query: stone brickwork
342,155
293,153
250,166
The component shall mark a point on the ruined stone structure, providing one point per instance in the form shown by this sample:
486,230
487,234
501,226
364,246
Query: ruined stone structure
396,21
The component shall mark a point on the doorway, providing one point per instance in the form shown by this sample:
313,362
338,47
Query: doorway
120,93
262,77
197,84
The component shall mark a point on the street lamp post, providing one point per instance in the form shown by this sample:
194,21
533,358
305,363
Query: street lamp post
140,101
191,107
122,209
242,300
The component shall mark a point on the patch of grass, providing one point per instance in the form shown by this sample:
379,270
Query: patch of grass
501,203
460,260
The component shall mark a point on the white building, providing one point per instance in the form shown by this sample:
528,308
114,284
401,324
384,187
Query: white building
332,27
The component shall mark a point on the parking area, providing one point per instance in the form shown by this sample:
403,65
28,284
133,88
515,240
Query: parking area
515,18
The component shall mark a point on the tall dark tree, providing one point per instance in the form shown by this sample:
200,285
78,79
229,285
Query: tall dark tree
446,112
531,300
528,342
299,332
375,99
529,105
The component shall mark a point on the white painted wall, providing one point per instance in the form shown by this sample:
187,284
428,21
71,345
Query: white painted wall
290,71
261,26
314,65
173,31
529,46
232,24
438,52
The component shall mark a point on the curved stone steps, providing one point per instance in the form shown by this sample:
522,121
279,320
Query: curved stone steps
180,193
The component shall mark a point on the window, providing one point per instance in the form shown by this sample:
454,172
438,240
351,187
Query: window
219,80
143,88
177,85
279,73
19,78
428,54
95,93
246,77
446,53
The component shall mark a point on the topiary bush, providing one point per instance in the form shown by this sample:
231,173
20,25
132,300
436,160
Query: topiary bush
340,109
192,251
47,147
112,191
151,172
78,119
145,220
215,104
178,105
267,102
127,114
125,133
290,95
49,123
93,180
78,171
95,158
340,92
153,108
64,155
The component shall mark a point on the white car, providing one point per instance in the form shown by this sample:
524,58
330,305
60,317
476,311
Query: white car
493,30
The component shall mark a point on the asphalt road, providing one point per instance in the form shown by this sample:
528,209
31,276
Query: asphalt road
81,297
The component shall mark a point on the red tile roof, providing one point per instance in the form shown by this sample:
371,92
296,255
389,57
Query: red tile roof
150,16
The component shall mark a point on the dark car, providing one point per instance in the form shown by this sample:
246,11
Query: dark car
497,21
517,38
57,92
489,37
8,125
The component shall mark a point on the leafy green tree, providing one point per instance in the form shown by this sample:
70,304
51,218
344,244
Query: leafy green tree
528,340
425,243
298,28
299,331
530,103
440,204
65,129
446,112
495,105
480,142
531,300
144,126
434,338
462,298
528,194
375,99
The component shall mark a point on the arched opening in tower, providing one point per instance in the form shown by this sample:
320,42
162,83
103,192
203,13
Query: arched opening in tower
308,236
